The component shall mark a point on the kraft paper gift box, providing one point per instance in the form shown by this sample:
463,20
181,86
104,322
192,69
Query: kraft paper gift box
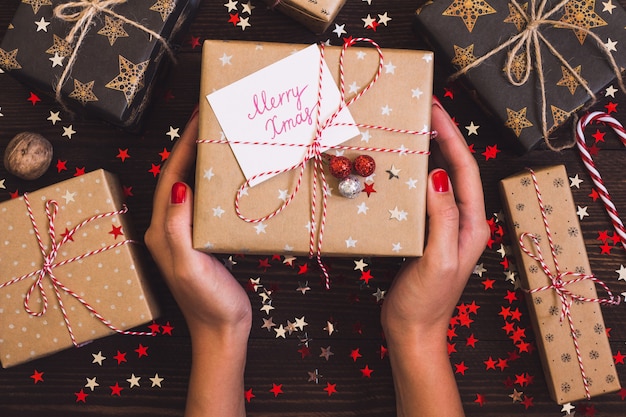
386,219
116,64
554,337
463,32
316,15
94,266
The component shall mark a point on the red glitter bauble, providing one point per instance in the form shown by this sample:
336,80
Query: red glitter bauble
364,165
339,167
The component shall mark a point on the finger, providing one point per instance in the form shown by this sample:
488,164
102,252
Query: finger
443,221
176,168
178,221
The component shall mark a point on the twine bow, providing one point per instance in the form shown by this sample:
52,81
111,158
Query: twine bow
529,42
558,282
314,152
82,13
49,264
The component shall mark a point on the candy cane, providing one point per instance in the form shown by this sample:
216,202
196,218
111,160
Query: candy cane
591,168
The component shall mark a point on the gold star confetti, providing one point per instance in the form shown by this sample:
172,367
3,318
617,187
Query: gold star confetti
113,29
165,7
582,13
130,79
463,56
569,80
36,4
516,120
516,17
469,11
83,92
8,60
519,66
59,46
559,115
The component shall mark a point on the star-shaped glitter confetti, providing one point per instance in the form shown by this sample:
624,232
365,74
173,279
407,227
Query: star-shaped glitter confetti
56,60
569,80
91,383
133,380
469,11
173,133
68,131
98,358
42,25
8,60
472,129
130,79
156,380
60,46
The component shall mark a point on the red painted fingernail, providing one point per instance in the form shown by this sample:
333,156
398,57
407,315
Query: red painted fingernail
440,181
179,193
436,102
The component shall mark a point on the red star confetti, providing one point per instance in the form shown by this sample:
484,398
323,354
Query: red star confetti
142,350
366,372
194,41
61,166
81,396
619,358
611,107
123,154
480,399
248,395
276,389
491,152
128,191
37,376
167,329
120,357
460,368
79,171
330,388
116,389
33,98
598,136
164,154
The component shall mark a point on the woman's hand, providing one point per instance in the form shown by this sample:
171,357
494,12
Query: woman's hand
216,307
417,310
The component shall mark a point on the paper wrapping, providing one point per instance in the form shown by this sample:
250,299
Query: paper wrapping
315,15
112,281
116,66
553,337
460,37
350,230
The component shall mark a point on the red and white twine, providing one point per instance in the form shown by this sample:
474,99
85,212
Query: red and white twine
314,152
559,284
49,264
591,167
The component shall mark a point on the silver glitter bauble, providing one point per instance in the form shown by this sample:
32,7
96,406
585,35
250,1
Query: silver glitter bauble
350,187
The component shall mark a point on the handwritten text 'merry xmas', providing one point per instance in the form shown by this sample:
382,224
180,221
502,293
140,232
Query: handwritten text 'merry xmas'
283,111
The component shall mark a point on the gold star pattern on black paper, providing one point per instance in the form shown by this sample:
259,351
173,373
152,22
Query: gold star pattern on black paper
582,13
463,56
36,4
130,79
469,11
559,115
516,120
569,80
518,66
165,7
113,29
60,46
516,17
8,60
83,92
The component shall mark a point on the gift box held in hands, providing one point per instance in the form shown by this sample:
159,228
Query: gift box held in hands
563,302
260,183
70,273
532,75
316,15
99,56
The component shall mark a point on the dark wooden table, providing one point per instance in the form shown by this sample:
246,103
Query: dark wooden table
358,367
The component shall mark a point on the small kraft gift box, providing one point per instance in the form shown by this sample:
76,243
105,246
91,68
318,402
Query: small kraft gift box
97,56
561,290
316,15
532,64
271,119
70,272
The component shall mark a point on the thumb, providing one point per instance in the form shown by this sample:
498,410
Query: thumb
178,220
443,217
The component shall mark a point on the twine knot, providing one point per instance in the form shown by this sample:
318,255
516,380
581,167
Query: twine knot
528,42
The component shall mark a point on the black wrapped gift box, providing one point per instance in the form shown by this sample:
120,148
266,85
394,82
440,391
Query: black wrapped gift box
116,61
464,31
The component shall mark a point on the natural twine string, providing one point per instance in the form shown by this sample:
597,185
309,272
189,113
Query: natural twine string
87,11
529,40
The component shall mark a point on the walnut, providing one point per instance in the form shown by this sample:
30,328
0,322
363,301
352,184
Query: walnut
28,155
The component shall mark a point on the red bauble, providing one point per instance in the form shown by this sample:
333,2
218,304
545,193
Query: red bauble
339,167
364,165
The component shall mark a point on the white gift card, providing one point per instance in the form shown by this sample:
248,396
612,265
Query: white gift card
277,104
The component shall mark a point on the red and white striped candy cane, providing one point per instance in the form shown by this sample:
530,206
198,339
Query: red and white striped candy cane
591,168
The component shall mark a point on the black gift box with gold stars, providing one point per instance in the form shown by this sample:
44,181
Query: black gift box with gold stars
532,64
95,56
